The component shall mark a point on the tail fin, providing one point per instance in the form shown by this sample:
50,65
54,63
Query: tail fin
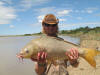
89,56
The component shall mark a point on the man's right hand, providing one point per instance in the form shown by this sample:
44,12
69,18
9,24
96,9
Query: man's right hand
40,66
41,57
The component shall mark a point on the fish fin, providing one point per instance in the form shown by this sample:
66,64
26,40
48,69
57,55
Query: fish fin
89,56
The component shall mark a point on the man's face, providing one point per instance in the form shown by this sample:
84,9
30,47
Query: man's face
50,29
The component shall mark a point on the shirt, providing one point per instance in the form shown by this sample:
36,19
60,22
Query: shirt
60,69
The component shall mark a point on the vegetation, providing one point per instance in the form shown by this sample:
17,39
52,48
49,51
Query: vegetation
27,34
84,33
82,30
37,33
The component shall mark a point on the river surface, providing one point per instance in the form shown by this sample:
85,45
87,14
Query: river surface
10,46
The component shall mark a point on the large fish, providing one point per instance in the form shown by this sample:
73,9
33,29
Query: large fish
56,49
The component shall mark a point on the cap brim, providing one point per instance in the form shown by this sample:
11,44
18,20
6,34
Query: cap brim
50,22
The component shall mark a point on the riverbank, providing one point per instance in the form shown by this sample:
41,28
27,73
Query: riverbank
84,68
87,40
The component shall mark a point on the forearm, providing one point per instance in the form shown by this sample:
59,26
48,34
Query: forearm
40,68
74,63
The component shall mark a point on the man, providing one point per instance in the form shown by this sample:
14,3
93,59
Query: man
50,28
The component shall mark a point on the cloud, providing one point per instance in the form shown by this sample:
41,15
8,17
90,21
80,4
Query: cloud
63,12
40,18
7,1
59,13
79,18
46,10
77,11
36,24
53,10
11,26
6,14
62,19
1,3
26,4
97,14
18,19
91,10
87,10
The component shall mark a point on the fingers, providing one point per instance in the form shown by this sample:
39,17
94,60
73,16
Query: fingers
73,55
45,55
70,56
38,56
77,55
41,56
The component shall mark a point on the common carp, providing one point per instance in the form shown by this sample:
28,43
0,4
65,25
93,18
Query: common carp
56,49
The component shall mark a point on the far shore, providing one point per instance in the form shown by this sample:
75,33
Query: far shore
82,33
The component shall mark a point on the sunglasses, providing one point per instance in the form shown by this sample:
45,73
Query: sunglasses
48,25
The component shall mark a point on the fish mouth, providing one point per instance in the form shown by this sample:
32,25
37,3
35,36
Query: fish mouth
20,56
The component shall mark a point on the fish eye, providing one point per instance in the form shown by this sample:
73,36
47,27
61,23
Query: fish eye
27,51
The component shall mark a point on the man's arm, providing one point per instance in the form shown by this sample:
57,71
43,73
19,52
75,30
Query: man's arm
40,68
74,63
41,64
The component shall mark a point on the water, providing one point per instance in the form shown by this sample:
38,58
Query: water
9,63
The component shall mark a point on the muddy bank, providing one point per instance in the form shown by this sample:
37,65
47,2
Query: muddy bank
84,68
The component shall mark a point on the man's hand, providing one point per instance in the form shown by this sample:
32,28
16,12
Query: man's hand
41,57
73,56
41,65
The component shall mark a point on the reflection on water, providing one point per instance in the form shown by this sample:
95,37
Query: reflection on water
9,63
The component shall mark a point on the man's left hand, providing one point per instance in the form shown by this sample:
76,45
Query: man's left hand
73,55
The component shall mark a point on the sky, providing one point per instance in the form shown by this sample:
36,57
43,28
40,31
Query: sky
25,16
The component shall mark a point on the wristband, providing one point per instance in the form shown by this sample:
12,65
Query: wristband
74,63
41,64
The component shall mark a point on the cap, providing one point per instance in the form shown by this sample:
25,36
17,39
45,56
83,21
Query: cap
50,19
